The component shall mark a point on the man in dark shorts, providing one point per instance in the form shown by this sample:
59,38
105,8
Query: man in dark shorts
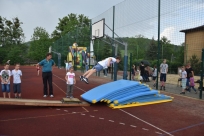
188,71
98,67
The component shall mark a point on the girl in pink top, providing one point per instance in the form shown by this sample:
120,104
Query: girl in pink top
192,84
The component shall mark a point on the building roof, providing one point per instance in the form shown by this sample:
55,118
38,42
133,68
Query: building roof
193,29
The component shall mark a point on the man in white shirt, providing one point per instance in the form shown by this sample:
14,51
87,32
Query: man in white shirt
98,67
163,73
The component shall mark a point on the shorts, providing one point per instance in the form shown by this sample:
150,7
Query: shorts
183,83
5,88
163,77
98,67
154,77
187,82
17,88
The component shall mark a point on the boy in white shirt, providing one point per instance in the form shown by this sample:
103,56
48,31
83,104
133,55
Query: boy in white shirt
163,73
98,67
184,79
5,80
70,80
17,74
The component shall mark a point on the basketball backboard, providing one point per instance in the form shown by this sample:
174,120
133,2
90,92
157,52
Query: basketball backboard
98,29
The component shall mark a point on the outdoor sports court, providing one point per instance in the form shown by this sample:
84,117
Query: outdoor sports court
182,117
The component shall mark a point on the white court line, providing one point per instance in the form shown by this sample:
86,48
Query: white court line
122,123
92,116
133,126
126,112
145,129
111,120
158,133
146,122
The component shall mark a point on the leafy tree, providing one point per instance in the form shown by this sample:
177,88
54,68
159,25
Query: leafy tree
166,48
39,45
152,50
17,54
11,31
11,35
195,63
69,23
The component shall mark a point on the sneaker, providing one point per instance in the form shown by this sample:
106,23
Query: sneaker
51,96
164,88
85,80
71,97
44,95
16,97
81,78
67,96
161,88
187,89
182,93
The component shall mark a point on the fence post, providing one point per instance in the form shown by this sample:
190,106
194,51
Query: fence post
158,54
113,41
201,74
125,63
130,66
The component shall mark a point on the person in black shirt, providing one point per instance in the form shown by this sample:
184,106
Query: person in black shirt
188,71
142,70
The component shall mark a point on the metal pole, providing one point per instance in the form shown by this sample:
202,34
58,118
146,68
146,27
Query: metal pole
201,76
137,51
90,43
125,63
115,64
186,53
158,55
98,60
130,66
113,38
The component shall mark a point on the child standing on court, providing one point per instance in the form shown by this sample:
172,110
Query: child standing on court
70,78
183,77
154,75
5,80
38,69
17,74
192,84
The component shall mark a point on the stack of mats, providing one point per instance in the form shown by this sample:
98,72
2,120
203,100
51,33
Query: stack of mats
125,93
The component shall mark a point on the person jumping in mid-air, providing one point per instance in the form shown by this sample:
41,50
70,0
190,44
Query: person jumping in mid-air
98,67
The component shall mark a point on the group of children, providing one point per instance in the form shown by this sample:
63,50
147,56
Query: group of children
6,75
138,75
187,84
